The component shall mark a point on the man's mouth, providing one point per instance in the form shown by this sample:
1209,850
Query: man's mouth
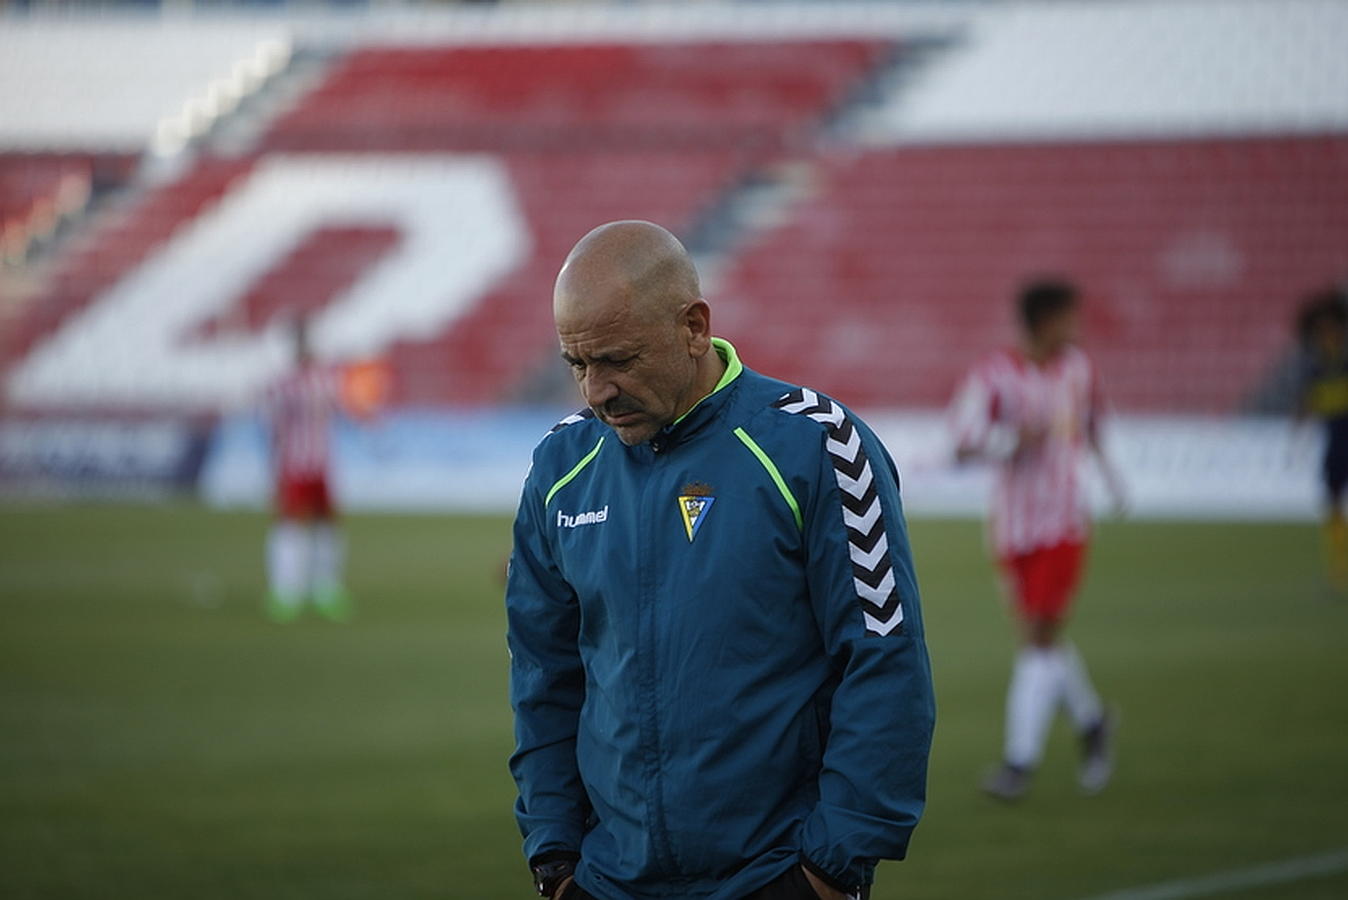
621,416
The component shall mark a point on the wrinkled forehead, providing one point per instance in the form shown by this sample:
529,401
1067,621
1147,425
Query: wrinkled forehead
594,324
589,292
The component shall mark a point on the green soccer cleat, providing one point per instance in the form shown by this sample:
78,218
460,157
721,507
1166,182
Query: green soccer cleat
334,604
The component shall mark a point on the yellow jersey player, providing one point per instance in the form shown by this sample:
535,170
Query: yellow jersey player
1323,329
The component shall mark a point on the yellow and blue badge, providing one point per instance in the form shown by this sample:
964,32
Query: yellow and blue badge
694,504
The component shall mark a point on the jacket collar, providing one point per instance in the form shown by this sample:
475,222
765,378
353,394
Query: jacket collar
704,411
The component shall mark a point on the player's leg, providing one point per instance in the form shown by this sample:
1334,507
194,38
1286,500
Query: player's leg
287,558
329,559
1079,695
1064,565
1094,723
1336,527
1034,691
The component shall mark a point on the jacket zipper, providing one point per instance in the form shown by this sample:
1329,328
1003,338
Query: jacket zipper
647,654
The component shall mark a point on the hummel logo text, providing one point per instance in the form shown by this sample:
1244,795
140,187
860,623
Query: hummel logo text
593,517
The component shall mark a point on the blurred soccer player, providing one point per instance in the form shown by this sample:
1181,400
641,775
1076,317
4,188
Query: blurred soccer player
1033,411
1323,394
305,549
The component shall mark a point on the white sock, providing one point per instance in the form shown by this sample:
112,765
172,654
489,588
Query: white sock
329,552
1031,700
1083,703
288,562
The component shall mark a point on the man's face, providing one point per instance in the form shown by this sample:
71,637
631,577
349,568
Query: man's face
1058,331
1328,338
635,374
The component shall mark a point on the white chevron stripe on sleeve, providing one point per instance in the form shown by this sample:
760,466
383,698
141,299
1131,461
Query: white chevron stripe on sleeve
875,563
872,559
833,416
875,626
862,523
809,400
878,595
858,486
847,451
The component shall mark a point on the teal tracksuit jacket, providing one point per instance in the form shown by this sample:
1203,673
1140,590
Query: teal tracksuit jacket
718,668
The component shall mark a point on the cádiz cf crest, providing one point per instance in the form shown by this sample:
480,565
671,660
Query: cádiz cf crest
694,504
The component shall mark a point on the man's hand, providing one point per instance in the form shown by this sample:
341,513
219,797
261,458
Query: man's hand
823,890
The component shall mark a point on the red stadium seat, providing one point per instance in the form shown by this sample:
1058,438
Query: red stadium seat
887,283
879,285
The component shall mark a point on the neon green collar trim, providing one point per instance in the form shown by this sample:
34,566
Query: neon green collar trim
733,368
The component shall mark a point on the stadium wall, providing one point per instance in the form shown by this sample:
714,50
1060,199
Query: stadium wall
435,461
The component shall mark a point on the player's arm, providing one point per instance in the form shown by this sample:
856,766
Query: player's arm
1114,484
547,687
864,592
980,426
1301,433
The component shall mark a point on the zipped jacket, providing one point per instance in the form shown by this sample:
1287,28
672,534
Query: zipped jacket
718,666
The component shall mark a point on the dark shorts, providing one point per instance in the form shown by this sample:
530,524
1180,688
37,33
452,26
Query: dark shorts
791,885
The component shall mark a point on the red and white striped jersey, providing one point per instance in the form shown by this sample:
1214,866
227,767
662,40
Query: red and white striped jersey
300,406
1038,497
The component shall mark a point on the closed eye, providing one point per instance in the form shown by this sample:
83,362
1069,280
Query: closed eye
613,362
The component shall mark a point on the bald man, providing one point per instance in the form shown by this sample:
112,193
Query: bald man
719,677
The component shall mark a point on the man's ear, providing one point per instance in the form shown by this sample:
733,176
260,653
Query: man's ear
697,319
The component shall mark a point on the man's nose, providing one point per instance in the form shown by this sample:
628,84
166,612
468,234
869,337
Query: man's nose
598,389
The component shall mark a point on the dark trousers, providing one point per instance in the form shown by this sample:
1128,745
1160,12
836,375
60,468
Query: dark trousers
791,885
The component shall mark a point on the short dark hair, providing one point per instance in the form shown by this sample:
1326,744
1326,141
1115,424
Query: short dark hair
1044,298
1325,305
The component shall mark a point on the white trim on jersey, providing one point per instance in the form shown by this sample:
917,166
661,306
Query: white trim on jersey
299,408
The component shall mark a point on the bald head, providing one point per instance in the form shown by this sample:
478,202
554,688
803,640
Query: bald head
638,264
634,327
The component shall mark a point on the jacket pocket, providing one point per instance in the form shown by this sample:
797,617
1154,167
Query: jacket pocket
790,885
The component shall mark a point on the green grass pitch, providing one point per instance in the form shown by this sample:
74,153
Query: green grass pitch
159,738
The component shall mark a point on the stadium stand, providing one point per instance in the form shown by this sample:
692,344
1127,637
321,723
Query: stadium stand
93,262
1195,197
509,332
116,84
1186,161
85,98
28,182
1154,68
36,193
607,96
325,262
899,268
657,131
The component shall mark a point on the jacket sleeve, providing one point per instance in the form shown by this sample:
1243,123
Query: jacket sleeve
864,592
547,687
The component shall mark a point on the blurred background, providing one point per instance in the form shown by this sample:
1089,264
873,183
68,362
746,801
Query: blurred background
864,186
